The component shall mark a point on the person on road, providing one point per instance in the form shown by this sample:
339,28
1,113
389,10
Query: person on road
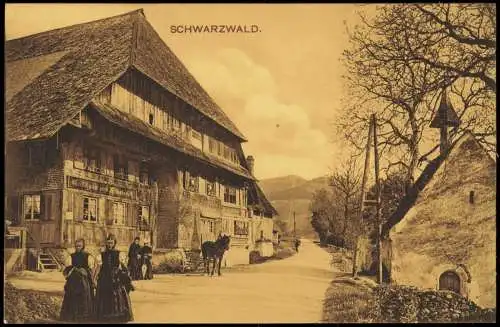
113,287
297,244
134,260
147,258
78,301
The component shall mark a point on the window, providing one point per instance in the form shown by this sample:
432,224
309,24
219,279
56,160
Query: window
166,120
151,119
92,161
211,188
31,207
196,135
226,152
90,209
170,121
144,173
176,124
119,213
240,227
230,194
144,215
209,225
193,184
220,148
120,167
233,156
244,192
212,145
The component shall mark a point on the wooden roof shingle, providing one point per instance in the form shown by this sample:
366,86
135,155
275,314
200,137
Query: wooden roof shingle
132,123
93,55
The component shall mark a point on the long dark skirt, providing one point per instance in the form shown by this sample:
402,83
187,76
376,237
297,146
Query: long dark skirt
78,302
112,300
134,268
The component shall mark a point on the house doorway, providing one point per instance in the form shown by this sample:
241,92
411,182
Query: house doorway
449,280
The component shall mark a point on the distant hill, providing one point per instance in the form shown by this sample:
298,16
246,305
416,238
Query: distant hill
300,191
293,193
277,184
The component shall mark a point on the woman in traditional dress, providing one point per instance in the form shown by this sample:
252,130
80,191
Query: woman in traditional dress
113,286
147,257
78,302
134,260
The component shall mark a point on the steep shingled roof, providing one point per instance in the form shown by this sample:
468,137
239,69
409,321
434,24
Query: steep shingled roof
93,55
410,199
257,196
139,126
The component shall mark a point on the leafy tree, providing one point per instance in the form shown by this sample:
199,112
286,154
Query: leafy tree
324,213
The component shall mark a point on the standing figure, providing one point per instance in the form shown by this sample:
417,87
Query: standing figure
147,258
113,286
134,260
297,244
78,302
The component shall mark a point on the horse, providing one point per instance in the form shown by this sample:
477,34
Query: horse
215,250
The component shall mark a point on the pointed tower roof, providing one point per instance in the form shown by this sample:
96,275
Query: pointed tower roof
445,115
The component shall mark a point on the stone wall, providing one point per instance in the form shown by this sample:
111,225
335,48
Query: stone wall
236,256
14,260
406,304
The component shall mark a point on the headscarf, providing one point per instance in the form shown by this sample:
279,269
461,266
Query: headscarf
113,238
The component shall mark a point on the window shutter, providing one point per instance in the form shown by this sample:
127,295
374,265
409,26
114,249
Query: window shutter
43,214
186,180
70,202
14,209
109,218
109,164
78,207
132,215
47,201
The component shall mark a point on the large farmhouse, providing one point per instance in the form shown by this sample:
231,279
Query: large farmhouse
108,132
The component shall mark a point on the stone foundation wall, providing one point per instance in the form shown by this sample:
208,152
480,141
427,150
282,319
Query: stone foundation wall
408,304
236,256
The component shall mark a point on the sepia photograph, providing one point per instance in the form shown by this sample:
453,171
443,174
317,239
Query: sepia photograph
250,163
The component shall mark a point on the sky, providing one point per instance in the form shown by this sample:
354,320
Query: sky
281,86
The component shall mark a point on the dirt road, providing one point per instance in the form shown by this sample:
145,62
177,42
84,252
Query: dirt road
289,290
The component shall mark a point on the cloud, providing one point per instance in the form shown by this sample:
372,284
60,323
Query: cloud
280,134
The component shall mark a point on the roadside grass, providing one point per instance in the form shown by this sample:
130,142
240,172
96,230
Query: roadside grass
348,301
29,306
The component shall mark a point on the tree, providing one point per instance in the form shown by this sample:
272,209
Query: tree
282,226
346,181
320,208
398,64
457,39
393,189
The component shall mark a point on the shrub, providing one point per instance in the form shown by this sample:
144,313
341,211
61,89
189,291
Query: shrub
256,258
170,262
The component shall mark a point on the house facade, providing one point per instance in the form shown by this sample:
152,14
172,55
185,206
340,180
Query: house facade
107,132
443,234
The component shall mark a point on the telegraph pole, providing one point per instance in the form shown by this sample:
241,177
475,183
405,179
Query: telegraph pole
379,223
362,200
294,226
